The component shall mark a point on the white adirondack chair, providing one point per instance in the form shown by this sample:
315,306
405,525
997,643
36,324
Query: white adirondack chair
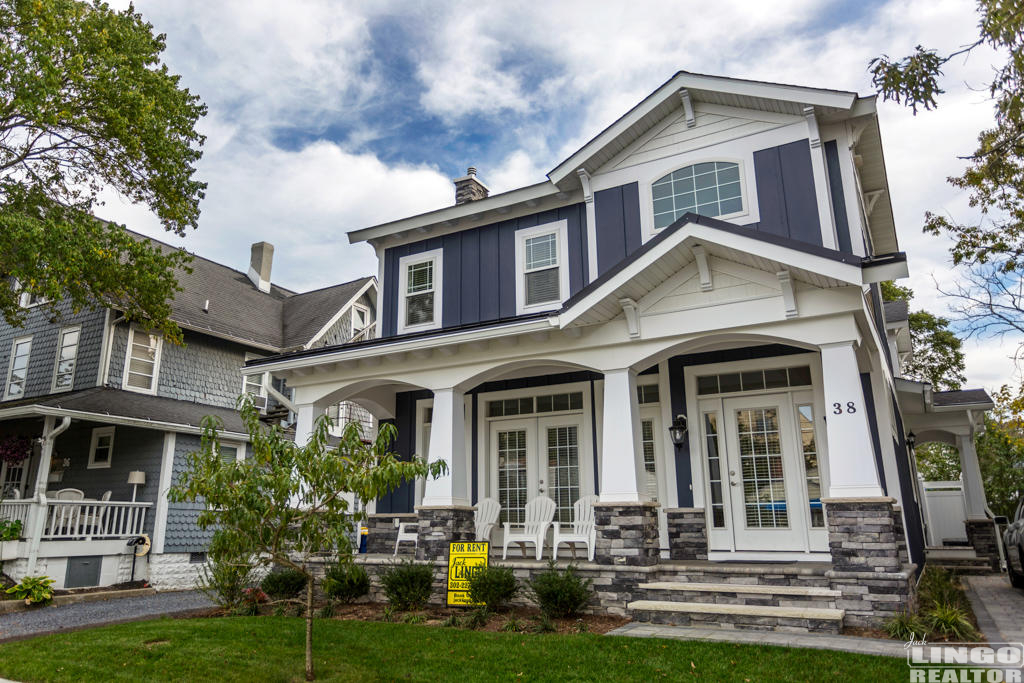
583,529
539,513
487,512
403,535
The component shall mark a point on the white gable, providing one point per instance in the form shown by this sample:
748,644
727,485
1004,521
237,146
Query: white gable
730,282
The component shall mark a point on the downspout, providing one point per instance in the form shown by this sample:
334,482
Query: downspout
50,435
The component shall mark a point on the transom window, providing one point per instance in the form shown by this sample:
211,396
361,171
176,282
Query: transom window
541,267
647,393
143,365
710,189
552,403
67,358
17,375
420,288
754,380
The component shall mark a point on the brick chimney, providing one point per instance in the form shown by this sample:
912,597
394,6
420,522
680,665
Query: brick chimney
259,265
468,188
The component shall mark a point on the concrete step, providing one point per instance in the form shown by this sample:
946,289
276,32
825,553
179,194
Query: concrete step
979,566
746,617
810,574
950,553
759,589
740,594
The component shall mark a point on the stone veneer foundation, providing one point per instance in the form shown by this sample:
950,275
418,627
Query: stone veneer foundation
627,534
439,526
382,532
981,534
687,534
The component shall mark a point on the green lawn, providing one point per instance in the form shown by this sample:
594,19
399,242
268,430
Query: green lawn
270,649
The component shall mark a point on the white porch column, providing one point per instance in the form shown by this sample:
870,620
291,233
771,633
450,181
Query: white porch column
305,416
974,486
448,443
851,460
620,443
38,520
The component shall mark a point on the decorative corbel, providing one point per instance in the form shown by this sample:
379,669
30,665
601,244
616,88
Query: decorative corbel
588,193
632,313
812,127
691,118
703,269
788,295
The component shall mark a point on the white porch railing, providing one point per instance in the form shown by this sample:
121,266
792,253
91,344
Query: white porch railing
16,510
367,333
944,510
89,519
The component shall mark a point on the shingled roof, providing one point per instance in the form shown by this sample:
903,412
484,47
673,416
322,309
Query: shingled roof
896,311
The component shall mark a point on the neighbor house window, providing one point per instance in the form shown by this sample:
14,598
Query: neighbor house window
256,385
541,264
711,189
360,318
17,374
419,287
67,359
101,449
142,364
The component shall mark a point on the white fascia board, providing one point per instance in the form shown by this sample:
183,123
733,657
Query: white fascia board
536,192
341,311
880,272
691,82
400,345
29,411
699,234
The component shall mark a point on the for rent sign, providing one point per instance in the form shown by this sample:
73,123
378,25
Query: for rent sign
464,560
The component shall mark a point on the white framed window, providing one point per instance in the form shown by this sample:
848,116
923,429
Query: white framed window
27,299
17,371
256,385
101,448
142,362
67,358
419,291
709,188
542,268
360,318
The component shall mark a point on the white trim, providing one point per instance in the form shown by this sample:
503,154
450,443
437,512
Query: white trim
97,434
104,349
591,211
166,472
155,383
341,311
437,257
352,318
10,367
265,380
32,410
56,362
768,556
561,231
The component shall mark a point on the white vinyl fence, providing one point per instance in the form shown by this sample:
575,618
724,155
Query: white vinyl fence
944,511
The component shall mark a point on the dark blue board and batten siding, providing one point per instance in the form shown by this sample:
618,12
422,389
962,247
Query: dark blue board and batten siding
479,268
786,200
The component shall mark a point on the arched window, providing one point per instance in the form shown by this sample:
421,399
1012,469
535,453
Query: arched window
710,189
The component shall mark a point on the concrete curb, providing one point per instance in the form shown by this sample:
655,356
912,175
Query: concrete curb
11,606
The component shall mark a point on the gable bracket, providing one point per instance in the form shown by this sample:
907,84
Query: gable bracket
812,127
691,119
588,193
872,196
632,313
701,256
788,295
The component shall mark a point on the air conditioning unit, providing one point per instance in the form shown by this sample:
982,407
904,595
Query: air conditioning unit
259,401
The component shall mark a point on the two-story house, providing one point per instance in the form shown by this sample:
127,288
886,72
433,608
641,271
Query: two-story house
683,319
107,412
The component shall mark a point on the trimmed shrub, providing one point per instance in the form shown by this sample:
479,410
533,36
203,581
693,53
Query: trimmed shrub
224,579
34,590
346,582
493,586
560,594
283,583
407,585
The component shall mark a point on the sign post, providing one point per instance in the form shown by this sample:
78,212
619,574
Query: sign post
465,559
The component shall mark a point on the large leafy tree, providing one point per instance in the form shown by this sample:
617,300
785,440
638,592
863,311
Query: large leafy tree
287,504
86,107
938,355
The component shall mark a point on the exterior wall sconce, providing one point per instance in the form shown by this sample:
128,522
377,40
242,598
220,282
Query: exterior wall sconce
911,440
677,431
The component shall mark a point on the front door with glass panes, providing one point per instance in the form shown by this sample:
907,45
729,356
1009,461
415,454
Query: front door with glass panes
761,465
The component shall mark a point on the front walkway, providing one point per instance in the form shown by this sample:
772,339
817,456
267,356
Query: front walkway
998,606
17,625
814,641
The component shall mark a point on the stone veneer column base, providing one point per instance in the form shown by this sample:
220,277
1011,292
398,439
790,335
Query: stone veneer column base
627,534
382,532
441,525
865,537
687,534
981,534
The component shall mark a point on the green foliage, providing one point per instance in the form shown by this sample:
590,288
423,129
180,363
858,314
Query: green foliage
950,621
224,579
580,626
938,355
34,590
10,529
452,621
560,594
414,618
513,625
346,582
476,618
327,611
252,598
493,586
407,585
937,461
388,614
283,584
86,105
906,626
940,587
543,624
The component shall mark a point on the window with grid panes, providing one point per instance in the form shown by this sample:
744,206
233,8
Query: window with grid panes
67,358
710,189
541,269
419,293
563,470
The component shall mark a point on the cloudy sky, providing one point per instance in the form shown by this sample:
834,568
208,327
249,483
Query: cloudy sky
330,116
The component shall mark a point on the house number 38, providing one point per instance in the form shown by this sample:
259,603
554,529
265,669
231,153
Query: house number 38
837,408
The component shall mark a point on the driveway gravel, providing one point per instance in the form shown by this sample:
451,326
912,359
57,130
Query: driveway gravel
71,617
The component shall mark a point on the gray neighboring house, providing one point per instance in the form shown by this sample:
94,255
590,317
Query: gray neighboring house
108,412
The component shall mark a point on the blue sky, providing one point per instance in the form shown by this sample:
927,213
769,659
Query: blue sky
329,116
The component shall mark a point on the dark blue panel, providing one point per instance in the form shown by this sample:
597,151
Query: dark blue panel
610,228
451,309
631,217
911,511
507,270
470,256
577,248
389,296
771,199
798,184
876,444
835,184
489,275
